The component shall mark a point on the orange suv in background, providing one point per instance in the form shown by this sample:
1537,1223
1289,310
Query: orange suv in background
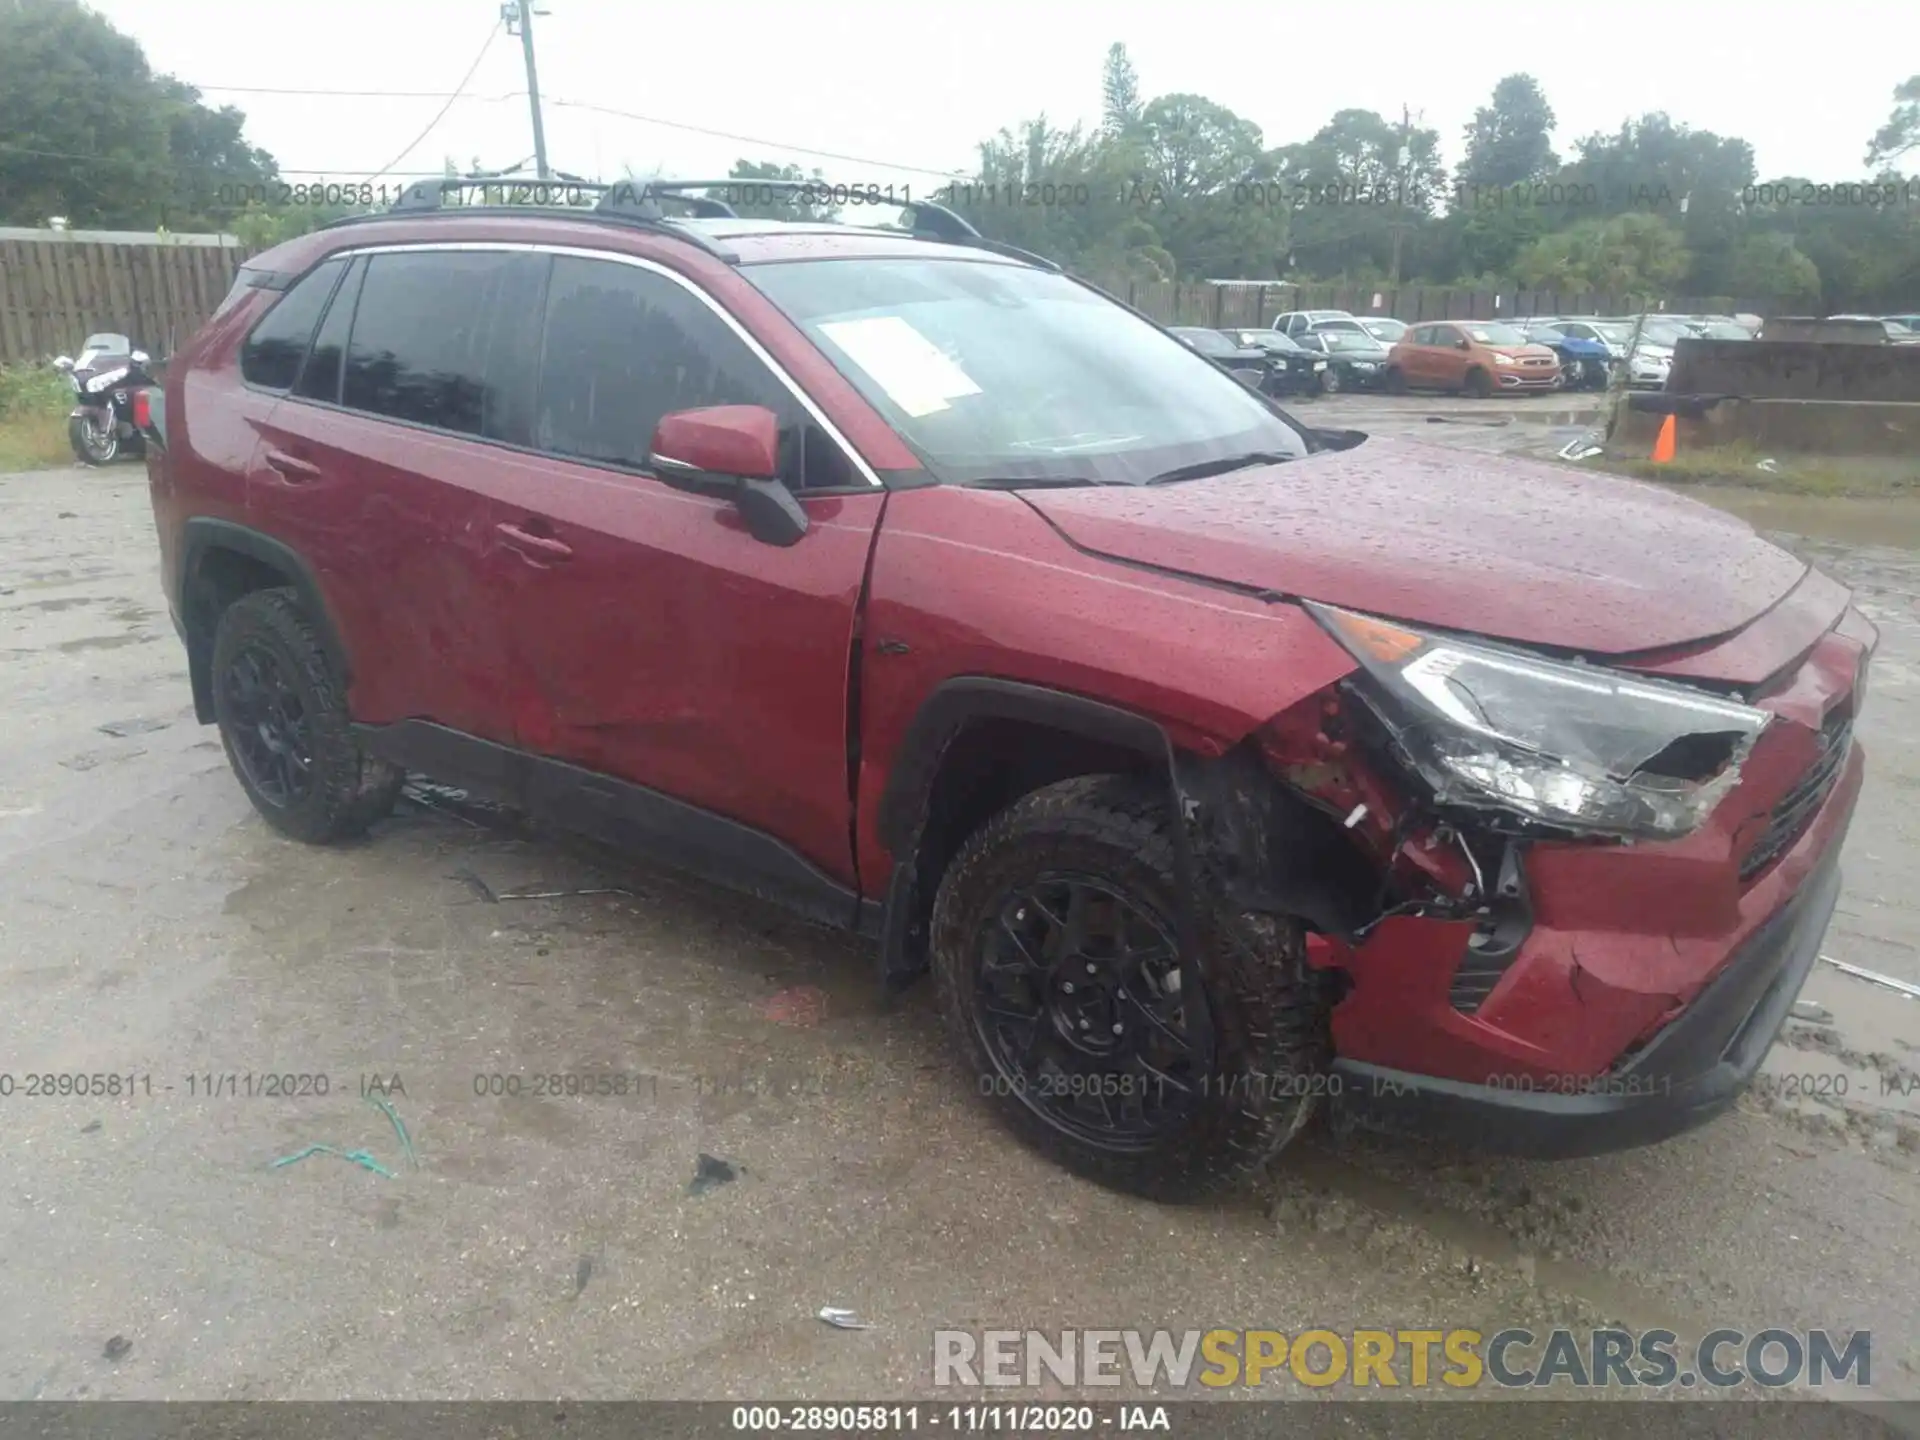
1475,356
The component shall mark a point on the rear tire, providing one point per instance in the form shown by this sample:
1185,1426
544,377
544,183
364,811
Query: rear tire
283,720
1191,1076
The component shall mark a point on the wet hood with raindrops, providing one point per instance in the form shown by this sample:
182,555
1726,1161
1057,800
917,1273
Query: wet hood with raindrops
1513,549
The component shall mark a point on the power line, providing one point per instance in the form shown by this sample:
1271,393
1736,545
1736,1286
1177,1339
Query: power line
451,97
485,45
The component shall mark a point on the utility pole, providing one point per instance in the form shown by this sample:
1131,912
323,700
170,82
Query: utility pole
519,17
1403,166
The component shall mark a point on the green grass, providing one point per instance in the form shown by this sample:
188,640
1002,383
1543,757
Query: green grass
34,400
1739,465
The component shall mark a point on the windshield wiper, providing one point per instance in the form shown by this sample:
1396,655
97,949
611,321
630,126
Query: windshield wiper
1200,469
1040,482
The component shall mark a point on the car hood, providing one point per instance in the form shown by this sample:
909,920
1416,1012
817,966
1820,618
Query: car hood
1513,549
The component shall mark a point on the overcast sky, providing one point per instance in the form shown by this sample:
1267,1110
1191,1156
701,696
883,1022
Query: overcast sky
917,83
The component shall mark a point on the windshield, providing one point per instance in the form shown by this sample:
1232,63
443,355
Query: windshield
1725,330
108,344
1348,340
1495,334
1268,340
1000,372
1613,334
1338,327
1388,329
1664,332
1206,342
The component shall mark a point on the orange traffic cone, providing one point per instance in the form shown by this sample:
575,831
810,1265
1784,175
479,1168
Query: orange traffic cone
1663,443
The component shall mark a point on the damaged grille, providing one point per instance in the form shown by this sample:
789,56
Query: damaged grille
1796,809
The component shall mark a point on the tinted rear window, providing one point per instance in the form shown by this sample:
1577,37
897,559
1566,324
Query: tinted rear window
272,354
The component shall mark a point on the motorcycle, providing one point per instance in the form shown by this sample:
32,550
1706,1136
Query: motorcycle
104,376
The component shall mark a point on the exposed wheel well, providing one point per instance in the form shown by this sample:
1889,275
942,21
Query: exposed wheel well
991,762
219,577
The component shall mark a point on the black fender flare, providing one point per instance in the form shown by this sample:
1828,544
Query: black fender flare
950,708
203,534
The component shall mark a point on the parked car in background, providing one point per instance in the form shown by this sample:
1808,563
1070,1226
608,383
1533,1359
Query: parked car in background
1585,362
1249,362
1652,359
1297,322
1477,357
1355,360
1294,369
1897,332
1384,328
1912,322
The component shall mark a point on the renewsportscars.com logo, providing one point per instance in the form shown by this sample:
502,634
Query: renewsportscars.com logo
1415,1359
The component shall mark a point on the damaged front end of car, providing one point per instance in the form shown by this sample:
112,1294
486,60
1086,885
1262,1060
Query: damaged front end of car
1408,813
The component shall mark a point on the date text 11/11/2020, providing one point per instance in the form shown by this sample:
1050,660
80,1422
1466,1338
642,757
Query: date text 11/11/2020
197,1085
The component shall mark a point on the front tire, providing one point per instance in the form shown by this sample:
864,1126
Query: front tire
1479,384
1054,951
1330,381
283,721
93,444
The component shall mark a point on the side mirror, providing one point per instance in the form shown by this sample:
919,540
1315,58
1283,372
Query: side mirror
139,357
1463,344
63,362
733,450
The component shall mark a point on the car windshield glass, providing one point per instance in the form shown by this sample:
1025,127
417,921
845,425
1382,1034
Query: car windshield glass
1349,340
1613,334
1269,340
990,371
1341,327
1664,332
1496,334
1721,330
108,344
1206,342
1392,328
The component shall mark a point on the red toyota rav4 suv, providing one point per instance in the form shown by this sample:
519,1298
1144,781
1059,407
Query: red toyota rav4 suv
1220,768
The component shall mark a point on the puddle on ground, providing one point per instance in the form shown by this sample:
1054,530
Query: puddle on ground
1888,522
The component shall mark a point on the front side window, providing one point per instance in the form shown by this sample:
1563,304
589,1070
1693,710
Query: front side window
1001,373
624,346
271,356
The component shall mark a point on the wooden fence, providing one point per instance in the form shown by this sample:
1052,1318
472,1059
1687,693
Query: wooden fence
1238,306
55,291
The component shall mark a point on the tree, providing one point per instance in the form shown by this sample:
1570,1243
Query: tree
1355,187
1511,140
1120,92
771,204
1901,133
1202,182
1771,267
1631,254
209,156
92,134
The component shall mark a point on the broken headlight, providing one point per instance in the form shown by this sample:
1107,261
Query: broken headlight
1577,747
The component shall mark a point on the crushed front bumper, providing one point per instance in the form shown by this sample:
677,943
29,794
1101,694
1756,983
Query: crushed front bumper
1691,1071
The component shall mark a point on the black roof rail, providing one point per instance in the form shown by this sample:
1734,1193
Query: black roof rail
636,203
641,198
428,197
